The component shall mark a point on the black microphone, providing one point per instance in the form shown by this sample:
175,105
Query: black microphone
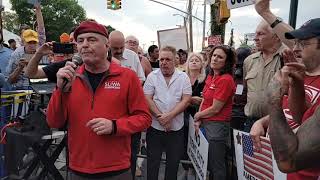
77,60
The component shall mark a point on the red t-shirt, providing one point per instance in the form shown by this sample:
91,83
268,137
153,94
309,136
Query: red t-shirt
312,90
221,88
312,93
312,173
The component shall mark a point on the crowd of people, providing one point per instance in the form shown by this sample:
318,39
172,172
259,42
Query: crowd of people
119,92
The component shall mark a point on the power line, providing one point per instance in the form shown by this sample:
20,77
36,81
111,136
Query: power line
175,1
182,2
198,1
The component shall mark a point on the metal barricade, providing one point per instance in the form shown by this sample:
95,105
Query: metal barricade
10,101
9,105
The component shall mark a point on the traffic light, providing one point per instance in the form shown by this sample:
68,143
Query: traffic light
114,4
224,12
118,3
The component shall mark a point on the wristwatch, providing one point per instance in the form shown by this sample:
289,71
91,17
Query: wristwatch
276,22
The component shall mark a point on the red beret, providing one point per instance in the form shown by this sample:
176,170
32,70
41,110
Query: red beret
90,27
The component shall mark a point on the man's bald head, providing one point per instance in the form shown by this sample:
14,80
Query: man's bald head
265,38
116,36
265,26
116,40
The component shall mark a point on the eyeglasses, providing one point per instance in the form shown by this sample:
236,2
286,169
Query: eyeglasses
303,44
132,42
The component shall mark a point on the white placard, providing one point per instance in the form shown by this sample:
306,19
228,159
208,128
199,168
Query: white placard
198,147
233,4
239,89
176,37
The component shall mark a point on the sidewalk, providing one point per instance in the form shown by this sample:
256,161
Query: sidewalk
181,172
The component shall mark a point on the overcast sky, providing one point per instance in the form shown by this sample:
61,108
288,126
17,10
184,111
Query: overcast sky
143,18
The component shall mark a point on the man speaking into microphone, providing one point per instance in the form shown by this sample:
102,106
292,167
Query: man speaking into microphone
103,104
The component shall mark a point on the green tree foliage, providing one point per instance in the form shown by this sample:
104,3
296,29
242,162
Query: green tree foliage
10,21
59,15
110,29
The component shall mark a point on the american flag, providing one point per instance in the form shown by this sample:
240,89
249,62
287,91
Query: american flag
293,125
257,163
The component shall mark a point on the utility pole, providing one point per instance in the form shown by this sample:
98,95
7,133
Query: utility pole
204,24
293,13
231,42
216,29
190,25
246,39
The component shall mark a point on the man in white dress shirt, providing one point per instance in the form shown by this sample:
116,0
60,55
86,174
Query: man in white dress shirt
168,92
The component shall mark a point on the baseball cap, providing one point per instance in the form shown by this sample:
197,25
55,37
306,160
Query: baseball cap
308,30
90,27
30,35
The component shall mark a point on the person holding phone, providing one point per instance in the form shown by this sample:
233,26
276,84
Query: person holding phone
19,60
49,71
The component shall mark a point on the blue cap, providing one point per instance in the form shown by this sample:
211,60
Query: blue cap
308,30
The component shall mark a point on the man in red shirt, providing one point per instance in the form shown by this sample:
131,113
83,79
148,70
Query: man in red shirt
103,105
296,150
298,153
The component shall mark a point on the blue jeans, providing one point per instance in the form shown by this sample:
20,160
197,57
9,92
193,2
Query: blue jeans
217,134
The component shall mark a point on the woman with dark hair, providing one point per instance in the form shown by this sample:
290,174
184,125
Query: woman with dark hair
215,109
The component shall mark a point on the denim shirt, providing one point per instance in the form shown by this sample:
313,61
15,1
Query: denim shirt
18,54
5,54
4,59
23,80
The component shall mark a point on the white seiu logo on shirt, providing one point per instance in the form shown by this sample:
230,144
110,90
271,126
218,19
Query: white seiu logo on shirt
313,93
112,85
